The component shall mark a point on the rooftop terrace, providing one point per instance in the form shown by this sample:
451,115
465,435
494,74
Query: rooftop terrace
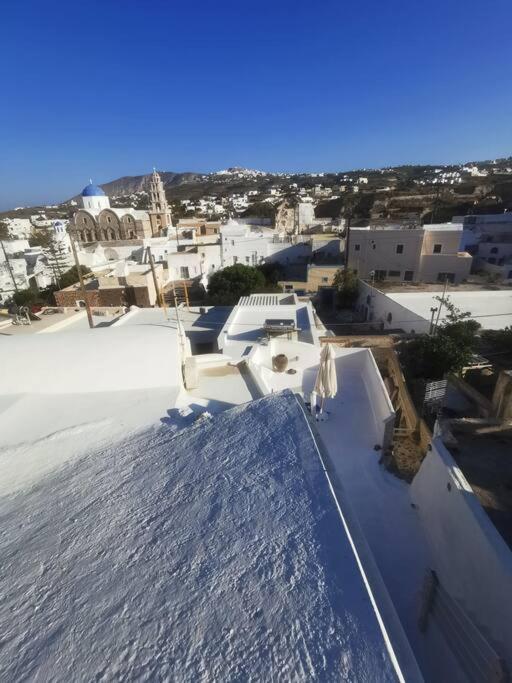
251,569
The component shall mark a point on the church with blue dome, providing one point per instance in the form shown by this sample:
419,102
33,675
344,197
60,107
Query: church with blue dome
92,191
97,221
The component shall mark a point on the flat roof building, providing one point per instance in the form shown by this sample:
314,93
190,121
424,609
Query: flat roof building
430,253
246,324
412,311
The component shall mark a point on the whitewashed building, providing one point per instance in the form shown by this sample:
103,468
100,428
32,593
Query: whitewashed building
252,246
414,311
419,254
489,239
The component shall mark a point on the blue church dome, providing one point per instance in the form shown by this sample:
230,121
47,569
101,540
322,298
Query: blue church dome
92,191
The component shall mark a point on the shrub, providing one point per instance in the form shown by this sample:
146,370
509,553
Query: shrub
431,358
226,286
347,284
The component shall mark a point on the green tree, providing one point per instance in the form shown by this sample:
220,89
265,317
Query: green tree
458,325
448,351
431,358
70,277
272,272
347,284
500,339
26,297
228,285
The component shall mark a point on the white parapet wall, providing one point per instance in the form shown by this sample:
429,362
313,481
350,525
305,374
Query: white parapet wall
376,306
99,360
383,411
473,562
355,369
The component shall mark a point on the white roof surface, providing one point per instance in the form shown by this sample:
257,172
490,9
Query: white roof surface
492,309
245,324
63,394
198,556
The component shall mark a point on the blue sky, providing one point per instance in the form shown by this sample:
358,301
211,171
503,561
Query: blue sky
103,89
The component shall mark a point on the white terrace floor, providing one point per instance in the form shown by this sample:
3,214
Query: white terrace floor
382,506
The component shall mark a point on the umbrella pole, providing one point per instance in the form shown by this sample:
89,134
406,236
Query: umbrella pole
322,404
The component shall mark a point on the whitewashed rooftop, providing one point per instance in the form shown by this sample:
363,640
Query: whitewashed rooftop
245,326
202,555
491,308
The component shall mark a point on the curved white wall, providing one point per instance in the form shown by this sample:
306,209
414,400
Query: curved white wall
96,204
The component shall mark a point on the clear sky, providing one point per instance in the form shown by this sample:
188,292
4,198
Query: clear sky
104,88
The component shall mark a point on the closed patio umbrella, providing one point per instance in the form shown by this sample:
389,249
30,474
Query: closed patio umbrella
326,384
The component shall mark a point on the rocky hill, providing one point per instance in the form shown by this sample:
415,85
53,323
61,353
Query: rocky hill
138,183
430,192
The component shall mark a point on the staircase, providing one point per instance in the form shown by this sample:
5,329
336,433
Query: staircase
180,287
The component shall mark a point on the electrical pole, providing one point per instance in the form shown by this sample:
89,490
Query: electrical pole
433,310
82,283
441,303
159,298
347,246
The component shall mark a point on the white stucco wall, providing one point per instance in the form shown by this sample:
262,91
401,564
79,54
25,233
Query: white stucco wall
433,266
211,257
17,246
472,561
98,360
377,250
95,204
410,311
177,261
286,252
379,307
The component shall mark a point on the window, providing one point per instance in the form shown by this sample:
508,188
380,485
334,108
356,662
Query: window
109,220
325,279
446,277
494,250
357,247
247,260
232,243
399,248
235,260
184,274
394,273
408,275
380,274
437,248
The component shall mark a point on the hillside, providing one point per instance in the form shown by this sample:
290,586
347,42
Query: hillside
434,193
139,183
